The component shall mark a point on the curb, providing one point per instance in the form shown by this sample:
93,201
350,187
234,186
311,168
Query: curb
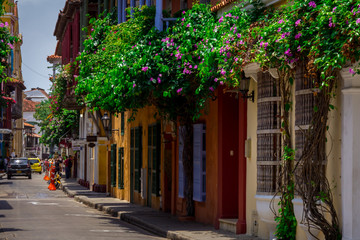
124,216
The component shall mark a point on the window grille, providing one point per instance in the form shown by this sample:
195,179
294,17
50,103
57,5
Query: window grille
268,133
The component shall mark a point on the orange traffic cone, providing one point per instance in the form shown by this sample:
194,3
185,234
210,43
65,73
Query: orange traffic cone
52,187
52,178
46,177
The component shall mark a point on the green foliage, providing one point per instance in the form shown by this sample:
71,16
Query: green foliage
286,221
55,125
59,86
102,80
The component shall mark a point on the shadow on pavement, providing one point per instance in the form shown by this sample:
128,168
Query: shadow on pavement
6,183
5,205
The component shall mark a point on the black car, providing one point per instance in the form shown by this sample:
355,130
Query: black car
19,167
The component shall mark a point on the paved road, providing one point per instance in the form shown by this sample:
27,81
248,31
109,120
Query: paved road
28,210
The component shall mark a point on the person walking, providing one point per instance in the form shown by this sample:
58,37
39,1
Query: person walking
57,166
67,167
6,163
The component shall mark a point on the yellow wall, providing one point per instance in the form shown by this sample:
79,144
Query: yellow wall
144,117
102,161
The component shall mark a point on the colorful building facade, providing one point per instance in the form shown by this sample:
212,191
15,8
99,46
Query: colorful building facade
12,115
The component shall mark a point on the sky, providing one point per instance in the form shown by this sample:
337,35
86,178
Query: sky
37,19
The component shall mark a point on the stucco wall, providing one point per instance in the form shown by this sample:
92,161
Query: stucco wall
333,148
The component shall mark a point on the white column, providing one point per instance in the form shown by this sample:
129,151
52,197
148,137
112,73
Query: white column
350,156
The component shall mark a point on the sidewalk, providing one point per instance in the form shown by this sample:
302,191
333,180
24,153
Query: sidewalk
160,223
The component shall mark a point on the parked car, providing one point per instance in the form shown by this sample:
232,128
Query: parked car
19,167
35,164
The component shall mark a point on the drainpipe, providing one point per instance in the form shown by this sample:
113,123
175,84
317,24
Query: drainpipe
158,16
99,7
106,6
119,11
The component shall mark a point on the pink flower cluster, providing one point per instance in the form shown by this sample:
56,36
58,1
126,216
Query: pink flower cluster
312,4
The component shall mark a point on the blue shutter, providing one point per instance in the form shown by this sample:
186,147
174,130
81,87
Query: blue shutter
181,167
197,159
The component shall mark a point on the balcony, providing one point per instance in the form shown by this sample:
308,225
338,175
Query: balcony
70,102
16,110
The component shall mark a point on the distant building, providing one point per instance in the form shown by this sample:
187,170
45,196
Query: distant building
32,129
11,124
33,98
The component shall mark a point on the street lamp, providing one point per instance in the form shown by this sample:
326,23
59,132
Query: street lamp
244,88
106,121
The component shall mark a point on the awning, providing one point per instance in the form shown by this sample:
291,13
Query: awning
5,131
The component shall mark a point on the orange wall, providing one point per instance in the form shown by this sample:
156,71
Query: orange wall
205,212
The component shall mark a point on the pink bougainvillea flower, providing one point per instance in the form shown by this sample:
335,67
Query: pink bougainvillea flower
216,79
195,67
183,12
279,30
103,49
179,90
288,52
358,21
221,19
228,15
211,89
281,21
299,48
312,4
6,24
297,22
297,36
351,71
183,19
134,85
144,69
334,9
149,43
158,80
223,72
188,25
221,83
2,25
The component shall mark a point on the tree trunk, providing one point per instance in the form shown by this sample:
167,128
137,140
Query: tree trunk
187,135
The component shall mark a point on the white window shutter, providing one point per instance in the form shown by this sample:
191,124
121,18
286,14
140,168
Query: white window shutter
197,158
181,166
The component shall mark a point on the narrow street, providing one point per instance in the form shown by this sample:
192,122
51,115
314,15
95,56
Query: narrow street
28,210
